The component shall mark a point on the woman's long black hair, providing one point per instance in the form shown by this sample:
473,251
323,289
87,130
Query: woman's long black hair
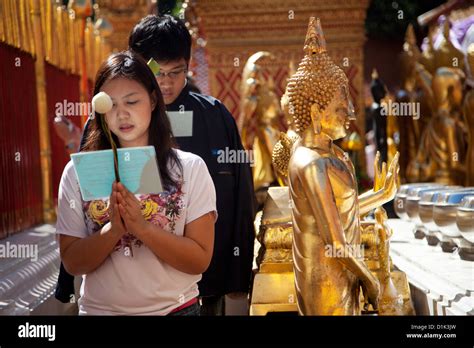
131,66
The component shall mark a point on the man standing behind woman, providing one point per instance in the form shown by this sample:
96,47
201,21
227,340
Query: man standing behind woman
167,40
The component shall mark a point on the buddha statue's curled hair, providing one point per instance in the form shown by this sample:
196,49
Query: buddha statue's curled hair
315,81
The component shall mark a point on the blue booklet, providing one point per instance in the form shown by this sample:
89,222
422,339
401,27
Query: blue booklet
138,171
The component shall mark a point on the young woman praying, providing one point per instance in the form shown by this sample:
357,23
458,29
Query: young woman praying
138,254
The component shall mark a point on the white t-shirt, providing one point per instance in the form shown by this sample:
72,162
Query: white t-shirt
132,279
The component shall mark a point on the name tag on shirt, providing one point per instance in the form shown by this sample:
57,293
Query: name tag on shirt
181,123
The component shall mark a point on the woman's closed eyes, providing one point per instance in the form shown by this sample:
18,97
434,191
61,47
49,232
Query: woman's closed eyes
134,102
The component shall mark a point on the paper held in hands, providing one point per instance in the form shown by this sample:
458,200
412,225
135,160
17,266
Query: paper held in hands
138,171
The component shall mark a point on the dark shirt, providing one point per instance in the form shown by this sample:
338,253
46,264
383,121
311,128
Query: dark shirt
215,129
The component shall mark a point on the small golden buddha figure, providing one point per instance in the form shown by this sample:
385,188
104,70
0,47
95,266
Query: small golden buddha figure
441,152
323,190
410,129
261,119
409,56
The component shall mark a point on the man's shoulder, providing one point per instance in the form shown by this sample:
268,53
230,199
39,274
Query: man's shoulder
205,99
210,103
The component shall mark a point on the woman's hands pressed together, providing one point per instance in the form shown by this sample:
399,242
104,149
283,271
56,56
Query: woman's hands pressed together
130,210
190,253
116,224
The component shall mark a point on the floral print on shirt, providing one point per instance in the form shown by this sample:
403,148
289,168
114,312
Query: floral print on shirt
162,209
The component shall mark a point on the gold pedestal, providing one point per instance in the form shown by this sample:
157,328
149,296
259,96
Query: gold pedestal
273,292
273,287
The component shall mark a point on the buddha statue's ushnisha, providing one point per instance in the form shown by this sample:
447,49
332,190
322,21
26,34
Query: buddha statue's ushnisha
328,267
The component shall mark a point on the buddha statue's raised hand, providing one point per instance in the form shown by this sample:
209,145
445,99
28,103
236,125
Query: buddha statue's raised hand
386,179
385,185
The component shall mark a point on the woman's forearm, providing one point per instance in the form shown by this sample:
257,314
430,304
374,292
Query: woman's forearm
180,252
86,254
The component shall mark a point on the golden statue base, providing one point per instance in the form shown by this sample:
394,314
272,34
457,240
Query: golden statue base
273,292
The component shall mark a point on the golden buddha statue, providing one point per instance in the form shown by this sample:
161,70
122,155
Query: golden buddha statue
441,153
260,121
409,56
323,190
409,128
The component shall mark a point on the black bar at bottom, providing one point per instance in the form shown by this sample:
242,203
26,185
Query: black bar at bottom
277,329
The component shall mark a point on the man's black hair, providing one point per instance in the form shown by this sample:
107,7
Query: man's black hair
163,38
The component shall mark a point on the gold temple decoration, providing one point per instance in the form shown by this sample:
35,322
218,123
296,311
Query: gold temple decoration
82,9
409,128
409,56
273,287
260,120
235,29
441,152
323,190
61,31
122,15
414,93
16,24
442,148
49,214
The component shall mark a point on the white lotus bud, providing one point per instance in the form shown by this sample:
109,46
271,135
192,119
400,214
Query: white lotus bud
102,103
